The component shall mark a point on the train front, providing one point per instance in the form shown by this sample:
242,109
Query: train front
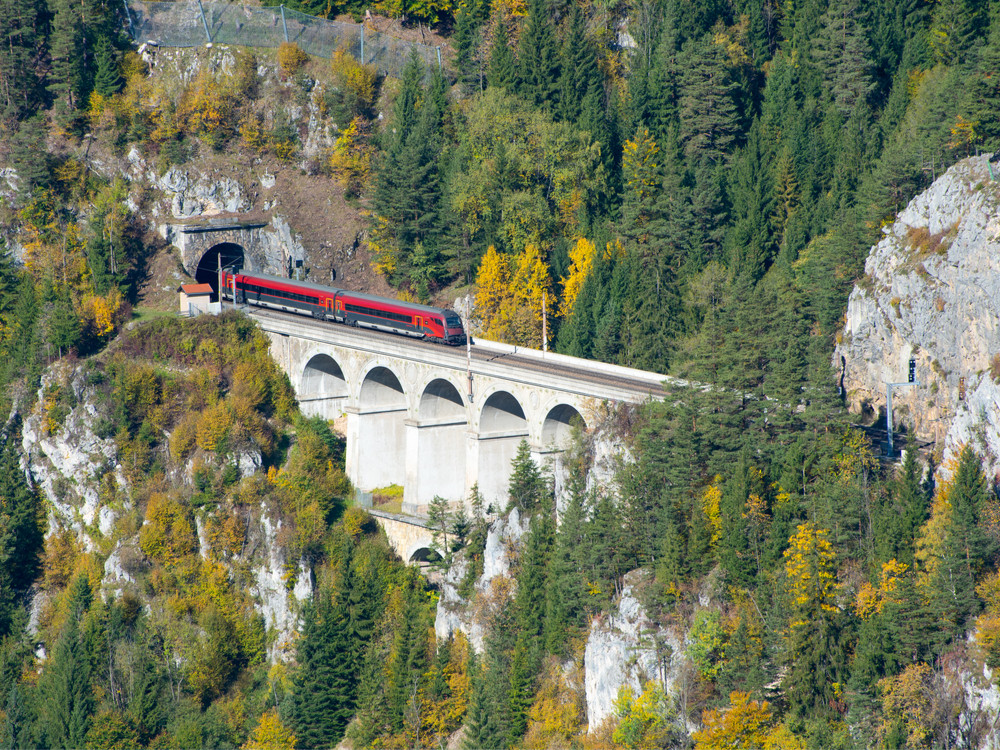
454,333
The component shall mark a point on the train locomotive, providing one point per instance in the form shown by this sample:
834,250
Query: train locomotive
342,306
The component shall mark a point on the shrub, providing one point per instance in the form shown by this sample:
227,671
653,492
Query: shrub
291,58
168,533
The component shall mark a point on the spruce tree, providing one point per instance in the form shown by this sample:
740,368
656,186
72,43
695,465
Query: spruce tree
965,549
19,85
579,71
66,48
108,79
21,528
324,688
502,70
709,120
527,486
538,58
67,699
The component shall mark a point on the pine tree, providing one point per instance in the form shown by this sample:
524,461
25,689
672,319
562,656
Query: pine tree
324,688
108,79
538,58
502,70
67,697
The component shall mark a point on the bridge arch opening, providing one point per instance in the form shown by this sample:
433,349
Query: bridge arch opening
442,425
557,429
323,390
425,555
207,271
381,430
502,427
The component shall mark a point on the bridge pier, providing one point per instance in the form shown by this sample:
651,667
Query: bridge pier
409,418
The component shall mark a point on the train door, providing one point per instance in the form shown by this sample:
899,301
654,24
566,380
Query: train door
418,322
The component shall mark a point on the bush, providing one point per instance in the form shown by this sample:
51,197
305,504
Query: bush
291,58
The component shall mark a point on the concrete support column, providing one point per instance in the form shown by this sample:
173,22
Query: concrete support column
352,453
496,453
381,454
411,499
435,463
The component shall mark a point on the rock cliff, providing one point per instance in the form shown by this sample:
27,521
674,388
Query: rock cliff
931,292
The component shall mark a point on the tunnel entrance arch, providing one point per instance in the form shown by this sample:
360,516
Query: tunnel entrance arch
207,271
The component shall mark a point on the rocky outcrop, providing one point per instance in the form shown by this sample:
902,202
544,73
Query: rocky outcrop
627,649
66,459
932,293
453,612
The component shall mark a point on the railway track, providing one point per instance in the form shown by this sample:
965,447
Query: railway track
485,356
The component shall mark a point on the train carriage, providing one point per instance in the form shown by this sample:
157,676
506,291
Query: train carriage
344,306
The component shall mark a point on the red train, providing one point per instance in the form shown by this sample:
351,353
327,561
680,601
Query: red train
343,306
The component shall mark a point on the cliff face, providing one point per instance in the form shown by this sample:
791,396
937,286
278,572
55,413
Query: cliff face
932,293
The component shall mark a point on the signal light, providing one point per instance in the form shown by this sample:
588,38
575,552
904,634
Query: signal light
913,371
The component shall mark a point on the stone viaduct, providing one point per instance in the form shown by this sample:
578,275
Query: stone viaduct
414,418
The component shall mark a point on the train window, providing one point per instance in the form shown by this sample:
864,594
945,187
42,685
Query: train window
378,313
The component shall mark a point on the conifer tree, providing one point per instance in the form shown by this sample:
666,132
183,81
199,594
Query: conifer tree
66,48
965,549
709,120
579,72
538,58
528,487
107,79
502,70
18,80
20,528
67,699
324,688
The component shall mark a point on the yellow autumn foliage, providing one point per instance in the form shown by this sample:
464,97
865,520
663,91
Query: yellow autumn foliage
809,567
710,500
509,296
168,533
906,702
640,165
745,724
930,542
581,257
270,734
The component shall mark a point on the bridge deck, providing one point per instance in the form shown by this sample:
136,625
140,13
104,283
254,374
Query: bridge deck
489,358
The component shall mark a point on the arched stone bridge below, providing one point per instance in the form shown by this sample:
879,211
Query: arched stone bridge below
412,420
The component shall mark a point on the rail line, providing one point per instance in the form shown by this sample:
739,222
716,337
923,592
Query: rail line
483,357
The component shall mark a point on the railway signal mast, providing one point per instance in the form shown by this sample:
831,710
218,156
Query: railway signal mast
910,381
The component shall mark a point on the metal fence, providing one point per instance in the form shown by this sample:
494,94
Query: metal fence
192,24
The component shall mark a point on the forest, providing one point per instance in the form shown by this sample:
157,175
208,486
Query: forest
692,186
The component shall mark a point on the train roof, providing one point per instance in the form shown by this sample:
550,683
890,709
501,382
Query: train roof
415,306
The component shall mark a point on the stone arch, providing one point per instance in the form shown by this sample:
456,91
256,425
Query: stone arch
323,389
207,271
423,554
381,388
441,427
502,413
502,427
381,430
557,428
